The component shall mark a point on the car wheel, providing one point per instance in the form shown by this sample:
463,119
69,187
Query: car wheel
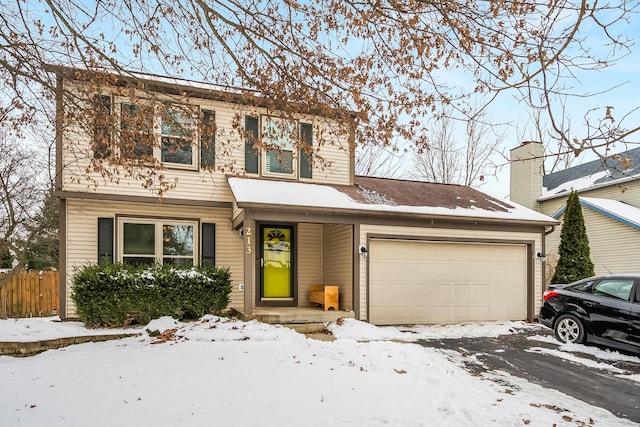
568,329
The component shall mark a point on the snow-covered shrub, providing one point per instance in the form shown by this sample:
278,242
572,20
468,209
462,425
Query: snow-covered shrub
119,294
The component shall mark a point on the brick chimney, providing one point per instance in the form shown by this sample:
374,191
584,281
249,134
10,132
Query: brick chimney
526,165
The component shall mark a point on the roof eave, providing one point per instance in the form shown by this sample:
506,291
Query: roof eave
178,86
593,187
403,215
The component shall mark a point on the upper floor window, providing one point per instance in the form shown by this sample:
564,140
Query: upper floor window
161,132
153,132
136,131
177,131
278,147
278,137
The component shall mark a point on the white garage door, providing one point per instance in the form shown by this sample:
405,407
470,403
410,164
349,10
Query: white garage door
412,282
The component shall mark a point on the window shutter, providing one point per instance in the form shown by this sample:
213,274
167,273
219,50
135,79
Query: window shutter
306,166
208,139
208,245
101,127
105,240
251,158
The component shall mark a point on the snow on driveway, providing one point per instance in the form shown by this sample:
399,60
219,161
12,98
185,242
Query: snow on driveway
220,371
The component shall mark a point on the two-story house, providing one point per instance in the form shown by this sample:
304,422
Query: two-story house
253,197
609,192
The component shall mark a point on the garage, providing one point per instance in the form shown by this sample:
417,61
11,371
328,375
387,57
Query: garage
429,282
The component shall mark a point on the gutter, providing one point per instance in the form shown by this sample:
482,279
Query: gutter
373,213
616,182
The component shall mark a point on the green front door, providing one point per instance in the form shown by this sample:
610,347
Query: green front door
276,263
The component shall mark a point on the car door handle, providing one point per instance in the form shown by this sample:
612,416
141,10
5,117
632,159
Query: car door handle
590,303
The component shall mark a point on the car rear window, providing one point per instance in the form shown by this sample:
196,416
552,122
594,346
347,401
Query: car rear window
582,287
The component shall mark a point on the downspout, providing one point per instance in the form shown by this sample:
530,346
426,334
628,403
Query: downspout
544,245
62,213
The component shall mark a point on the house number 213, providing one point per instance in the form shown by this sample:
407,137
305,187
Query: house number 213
248,232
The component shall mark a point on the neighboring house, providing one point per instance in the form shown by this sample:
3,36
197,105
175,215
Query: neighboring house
609,192
400,251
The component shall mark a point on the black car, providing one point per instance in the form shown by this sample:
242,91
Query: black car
602,310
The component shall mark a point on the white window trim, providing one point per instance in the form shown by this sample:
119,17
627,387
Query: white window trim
294,152
157,133
158,223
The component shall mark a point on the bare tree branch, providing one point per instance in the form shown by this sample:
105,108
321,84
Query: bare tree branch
387,61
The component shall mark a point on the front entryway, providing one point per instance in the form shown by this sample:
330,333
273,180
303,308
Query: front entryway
277,265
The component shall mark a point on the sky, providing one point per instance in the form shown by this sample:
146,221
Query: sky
617,86
219,371
507,111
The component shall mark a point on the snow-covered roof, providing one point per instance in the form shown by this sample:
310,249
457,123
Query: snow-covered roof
383,196
612,170
619,211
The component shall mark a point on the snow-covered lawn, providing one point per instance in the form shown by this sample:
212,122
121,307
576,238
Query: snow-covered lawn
227,372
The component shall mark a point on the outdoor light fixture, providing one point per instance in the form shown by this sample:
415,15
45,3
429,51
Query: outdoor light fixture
542,257
364,252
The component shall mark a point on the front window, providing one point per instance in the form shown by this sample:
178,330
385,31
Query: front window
136,130
177,137
145,241
278,136
139,245
177,244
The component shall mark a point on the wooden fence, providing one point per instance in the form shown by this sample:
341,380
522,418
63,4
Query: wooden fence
31,294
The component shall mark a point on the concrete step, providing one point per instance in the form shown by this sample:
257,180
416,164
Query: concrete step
297,315
306,328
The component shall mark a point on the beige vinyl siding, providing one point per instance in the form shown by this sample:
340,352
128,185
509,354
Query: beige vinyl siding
309,260
552,241
613,244
82,239
526,175
628,193
550,207
189,184
336,165
338,261
617,245
194,184
443,234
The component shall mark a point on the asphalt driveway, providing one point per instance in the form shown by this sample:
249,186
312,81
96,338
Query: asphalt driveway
595,384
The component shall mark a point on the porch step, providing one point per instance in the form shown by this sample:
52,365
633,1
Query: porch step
307,328
298,315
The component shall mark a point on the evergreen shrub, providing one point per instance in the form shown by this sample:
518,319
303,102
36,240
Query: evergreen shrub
115,295
574,262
